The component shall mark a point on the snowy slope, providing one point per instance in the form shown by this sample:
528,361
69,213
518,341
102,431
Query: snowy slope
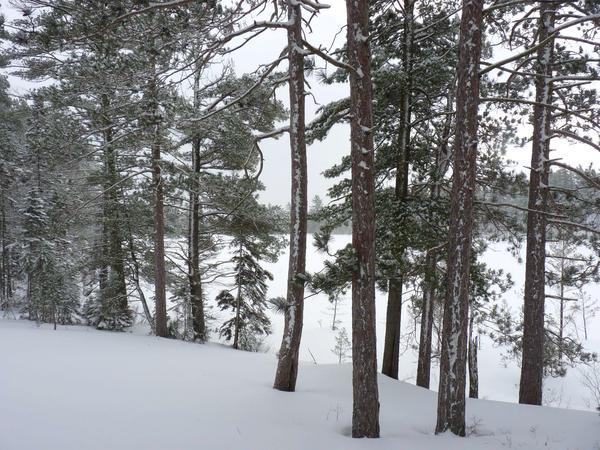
499,379
81,389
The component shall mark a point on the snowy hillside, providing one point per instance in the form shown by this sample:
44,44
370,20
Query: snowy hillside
498,378
81,389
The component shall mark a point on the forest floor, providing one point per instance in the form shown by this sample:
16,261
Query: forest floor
81,389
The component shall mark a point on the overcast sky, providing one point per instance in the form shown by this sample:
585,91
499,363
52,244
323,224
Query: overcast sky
322,155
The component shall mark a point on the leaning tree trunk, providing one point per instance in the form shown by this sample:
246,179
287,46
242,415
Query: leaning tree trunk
135,275
393,321
473,368
287,367
160,299
194,277
451,394
365,413
532,368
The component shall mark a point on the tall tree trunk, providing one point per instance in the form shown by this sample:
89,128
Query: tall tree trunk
194,277
584,317
238,304
287,367
335,307
561,325
430,284
135,275
451,394
393,323
365,413
159,225
426,332
3,260
473,368
114,257
532,366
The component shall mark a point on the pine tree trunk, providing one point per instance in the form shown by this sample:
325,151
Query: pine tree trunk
426,332
287,367
3,245
532,366
393,324
393,321
159,226
561,325
194,277
473,368
584,317
238,304
135,275
429,278
114,257
451,394
365,413
335,307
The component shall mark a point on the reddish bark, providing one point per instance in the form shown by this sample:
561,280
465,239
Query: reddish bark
393,321
451,394
159,225
391,350
365,414
530,389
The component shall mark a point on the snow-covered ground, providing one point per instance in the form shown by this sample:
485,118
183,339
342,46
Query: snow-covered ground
81,389
78,388
498,377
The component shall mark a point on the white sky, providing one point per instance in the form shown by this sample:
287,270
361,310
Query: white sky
322,155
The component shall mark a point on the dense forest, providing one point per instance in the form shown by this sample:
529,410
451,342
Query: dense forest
130,177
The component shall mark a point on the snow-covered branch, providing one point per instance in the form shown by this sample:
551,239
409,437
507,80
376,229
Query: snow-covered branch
319,52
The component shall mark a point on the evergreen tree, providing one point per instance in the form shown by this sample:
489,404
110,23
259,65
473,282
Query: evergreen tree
248,307
287,367
98,99
52,294
253,229
451,394
342,348
12,119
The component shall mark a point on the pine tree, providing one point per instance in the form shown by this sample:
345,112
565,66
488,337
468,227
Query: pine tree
52,295
287,367
12,119
391,352
451,394
249,304
530,390
365,413
342,348
253,229
98,99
